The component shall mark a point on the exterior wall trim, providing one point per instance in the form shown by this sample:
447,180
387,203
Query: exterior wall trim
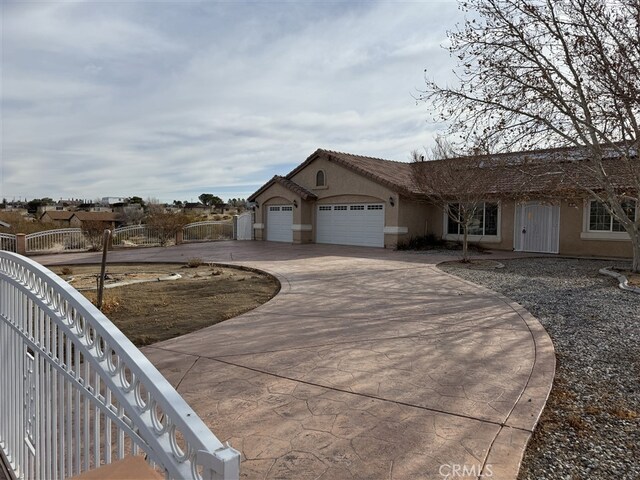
610,236
258,226
474,238
396,230
301,227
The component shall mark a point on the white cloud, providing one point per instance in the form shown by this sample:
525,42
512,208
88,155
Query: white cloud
170,100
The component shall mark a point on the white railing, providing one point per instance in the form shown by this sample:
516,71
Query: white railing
135,236
244,226
207,230
60,240
7,242
75,393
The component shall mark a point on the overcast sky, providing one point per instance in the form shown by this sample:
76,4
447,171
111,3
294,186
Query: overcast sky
173,99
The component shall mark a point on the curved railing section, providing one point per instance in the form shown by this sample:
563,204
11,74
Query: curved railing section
60,240
136,236
207,231
7,242
75,393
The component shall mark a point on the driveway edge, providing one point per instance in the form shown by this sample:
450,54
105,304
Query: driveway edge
505,454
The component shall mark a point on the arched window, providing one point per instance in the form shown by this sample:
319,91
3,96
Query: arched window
320,180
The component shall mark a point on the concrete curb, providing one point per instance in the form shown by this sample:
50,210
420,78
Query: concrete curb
623,282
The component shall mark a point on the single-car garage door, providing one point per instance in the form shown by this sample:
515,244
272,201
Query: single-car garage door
279,222
359,224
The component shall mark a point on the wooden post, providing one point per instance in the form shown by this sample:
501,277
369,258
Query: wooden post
105,247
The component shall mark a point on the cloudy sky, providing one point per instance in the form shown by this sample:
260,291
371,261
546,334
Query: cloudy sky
173,99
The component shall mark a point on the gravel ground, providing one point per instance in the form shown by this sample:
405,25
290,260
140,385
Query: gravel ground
590,428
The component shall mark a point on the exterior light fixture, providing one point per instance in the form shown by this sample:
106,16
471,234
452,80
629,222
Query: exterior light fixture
392,202
295,203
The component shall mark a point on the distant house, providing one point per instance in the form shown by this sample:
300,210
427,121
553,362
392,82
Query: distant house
60,218
196,208
108,201
109,220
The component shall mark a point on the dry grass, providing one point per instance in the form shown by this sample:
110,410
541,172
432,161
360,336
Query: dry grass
156,311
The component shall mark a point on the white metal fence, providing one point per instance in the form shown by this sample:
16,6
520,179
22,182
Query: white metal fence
60,240
7,242
207,230
75,393
136,236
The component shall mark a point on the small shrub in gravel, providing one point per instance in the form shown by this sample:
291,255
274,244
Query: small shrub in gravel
590,427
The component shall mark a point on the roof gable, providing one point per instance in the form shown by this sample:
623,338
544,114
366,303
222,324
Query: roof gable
395,175
289,185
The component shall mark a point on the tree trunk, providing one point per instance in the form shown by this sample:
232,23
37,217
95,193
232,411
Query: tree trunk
635,245
465,246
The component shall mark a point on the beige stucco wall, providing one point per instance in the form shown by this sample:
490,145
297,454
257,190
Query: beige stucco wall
572,225
345,186
342,186
275,195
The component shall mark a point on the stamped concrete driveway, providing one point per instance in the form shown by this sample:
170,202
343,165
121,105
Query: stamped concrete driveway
368,364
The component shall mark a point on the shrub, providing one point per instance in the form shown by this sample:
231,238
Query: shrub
93,231
66,271
194,262
422,242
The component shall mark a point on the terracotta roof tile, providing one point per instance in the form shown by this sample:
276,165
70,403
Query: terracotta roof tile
507,173
58,214
289,185
97,216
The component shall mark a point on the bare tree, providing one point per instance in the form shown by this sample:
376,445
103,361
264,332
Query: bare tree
93,231
166,224
541,73
132,214
459,185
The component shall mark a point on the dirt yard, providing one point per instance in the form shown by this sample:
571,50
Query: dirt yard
157,310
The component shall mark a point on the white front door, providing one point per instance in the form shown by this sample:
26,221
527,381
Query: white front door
357,224
279,223
537,228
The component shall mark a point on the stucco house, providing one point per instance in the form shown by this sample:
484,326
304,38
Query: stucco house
108,220
347,199
60,218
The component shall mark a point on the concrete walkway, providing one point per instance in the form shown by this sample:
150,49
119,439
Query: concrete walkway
368,364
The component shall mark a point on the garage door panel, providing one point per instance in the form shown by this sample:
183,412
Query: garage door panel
361,224
279,223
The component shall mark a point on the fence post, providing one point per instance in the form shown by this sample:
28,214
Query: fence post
21,244
179,237
235,227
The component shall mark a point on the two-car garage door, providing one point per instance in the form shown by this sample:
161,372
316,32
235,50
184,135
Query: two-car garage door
356,224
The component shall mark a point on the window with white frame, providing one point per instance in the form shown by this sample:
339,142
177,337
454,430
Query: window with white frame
484,221
600,220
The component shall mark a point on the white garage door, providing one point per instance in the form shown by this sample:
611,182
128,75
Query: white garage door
361,224
279,221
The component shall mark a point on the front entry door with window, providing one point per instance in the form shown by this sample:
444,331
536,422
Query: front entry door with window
537,228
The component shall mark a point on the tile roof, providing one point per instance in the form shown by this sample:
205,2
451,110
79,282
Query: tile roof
506,173
395,175
97,216
58,214
289,185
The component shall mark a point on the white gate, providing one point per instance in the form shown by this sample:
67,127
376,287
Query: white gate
244,226
75,393
537,228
